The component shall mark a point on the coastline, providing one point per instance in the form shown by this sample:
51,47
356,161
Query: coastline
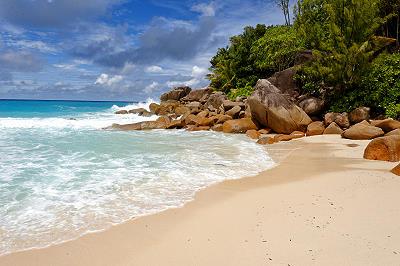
300,212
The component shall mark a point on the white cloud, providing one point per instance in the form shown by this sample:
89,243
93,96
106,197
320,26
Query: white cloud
154,69
105,79
190,83
199,72
152,87
37,45
206,9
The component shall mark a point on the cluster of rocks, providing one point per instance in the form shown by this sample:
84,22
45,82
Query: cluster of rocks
268,110
195,110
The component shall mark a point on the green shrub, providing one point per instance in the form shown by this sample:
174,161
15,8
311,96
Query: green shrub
379,89
277,49
244,91
381,86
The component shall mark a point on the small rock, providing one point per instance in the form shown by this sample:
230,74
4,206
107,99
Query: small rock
234,111
266,140
121,112
315,128
238,125
223,118
359,114
333,129
227,104
198,128
361,131
253,134
341,120
312,106
217,128
396,170
264,131
297,134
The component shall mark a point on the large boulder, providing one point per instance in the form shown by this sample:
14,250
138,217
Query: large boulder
273,110
388,125
384,149
315,128
359,114
215,100
238,125
312,106
284,81
362,131
197,95
333,129
175,94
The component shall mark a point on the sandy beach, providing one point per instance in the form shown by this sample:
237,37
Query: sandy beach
322,205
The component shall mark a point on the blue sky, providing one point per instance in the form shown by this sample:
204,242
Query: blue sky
115,49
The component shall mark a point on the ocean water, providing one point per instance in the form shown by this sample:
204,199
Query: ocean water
62,176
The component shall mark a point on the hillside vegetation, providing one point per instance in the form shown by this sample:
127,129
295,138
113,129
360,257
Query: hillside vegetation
355,60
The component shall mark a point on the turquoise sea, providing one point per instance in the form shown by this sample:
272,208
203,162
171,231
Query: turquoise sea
62,176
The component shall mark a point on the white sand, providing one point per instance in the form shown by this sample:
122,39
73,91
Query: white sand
323,205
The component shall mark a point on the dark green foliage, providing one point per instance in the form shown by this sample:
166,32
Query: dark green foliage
256,53
380,87
345,37
233,67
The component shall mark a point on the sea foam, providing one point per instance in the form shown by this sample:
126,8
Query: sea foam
62,178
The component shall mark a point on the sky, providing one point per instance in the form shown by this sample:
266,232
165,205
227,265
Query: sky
116,49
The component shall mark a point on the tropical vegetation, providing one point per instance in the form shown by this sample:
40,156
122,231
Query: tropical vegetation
354,46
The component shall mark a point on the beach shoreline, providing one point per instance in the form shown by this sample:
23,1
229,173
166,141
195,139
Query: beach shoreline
301,212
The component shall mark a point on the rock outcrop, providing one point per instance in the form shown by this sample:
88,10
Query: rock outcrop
384,149
273,110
